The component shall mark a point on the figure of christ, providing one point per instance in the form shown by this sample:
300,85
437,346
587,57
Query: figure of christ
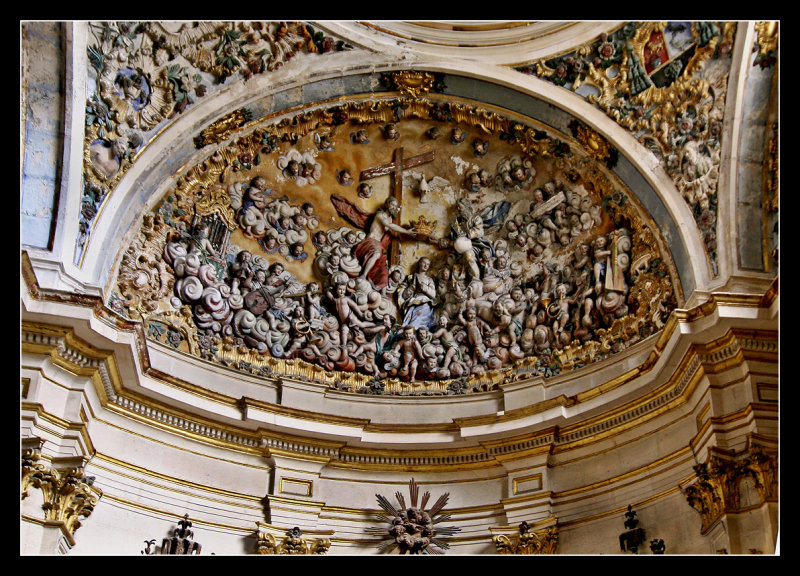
372,252
381,342
350,315
410,352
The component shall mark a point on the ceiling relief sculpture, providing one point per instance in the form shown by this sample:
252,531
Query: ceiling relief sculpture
666,83
404,245
143,74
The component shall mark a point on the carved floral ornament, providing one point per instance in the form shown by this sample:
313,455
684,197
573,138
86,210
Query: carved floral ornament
403,246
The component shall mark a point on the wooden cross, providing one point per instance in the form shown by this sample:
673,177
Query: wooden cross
395,169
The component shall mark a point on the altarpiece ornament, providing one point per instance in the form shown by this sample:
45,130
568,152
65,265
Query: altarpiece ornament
542,264
412,528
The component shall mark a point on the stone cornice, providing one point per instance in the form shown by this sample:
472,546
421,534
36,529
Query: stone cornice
76,356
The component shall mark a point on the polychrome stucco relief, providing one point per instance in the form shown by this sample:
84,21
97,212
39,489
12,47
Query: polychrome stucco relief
412,244
142,75
666,82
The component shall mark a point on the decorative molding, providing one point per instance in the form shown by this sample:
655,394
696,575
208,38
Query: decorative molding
538,538
292,543
80,358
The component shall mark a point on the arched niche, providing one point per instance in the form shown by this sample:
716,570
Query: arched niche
524,116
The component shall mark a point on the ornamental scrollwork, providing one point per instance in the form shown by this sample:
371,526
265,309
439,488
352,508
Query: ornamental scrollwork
292,543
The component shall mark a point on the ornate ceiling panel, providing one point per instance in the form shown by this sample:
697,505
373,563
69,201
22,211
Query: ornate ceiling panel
306,232
412,244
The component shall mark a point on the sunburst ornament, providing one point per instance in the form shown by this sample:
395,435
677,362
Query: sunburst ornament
412,529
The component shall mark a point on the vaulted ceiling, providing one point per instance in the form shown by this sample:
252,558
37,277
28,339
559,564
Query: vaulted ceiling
246,133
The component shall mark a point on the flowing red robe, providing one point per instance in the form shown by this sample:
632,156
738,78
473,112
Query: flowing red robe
368,247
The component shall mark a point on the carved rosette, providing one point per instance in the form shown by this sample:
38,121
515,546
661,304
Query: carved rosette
292,543
67,494
528,541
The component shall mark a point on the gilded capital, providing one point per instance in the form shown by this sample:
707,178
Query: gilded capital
732,483
67,493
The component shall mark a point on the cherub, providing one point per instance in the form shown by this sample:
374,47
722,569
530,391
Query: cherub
457,136
480,147
390,131
297,251
344,178
324,142
348,311
475,327
365,190
448,340
359,137
410,351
